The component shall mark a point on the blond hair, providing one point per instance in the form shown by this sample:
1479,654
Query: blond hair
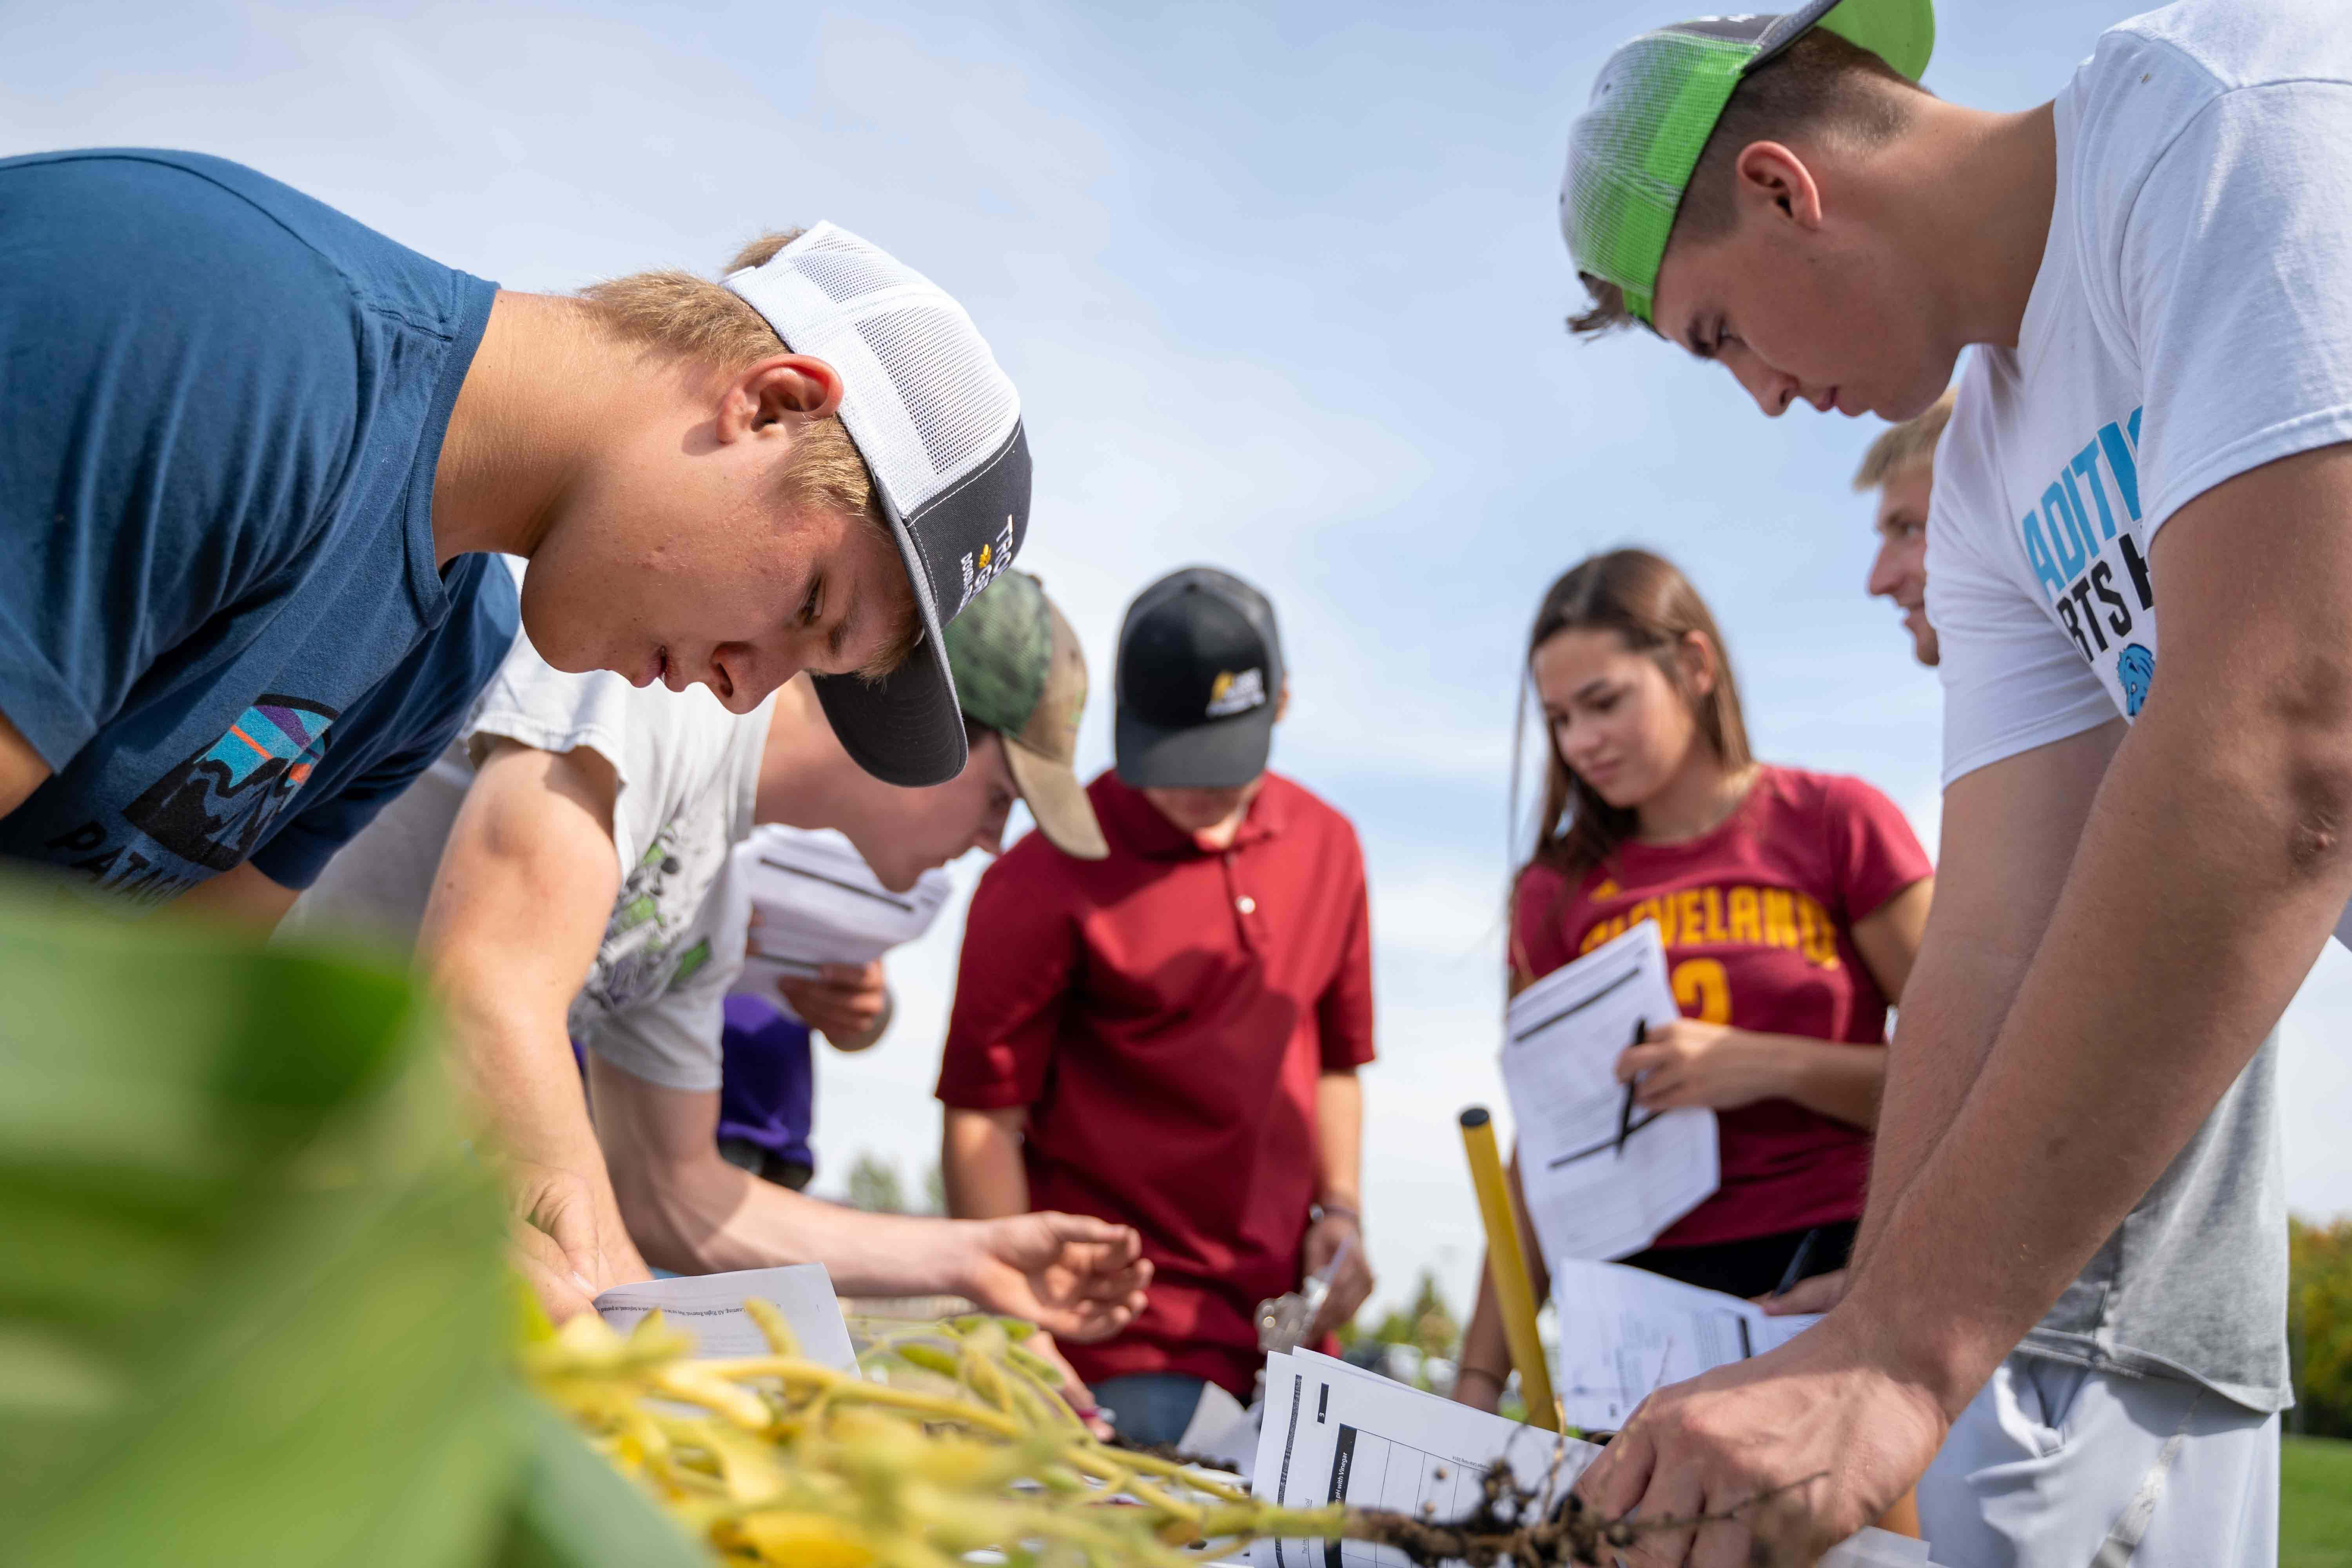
694,318
1906,445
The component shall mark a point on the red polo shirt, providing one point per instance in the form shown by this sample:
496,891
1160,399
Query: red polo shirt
1164,1015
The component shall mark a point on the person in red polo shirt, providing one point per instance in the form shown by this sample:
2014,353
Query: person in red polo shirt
1169,1037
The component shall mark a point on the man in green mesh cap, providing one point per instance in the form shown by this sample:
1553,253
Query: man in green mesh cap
2071,1278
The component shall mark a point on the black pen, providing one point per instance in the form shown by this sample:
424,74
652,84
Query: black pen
1796,1270
1625,1111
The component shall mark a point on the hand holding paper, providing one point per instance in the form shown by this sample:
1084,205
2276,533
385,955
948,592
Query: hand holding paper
1601,1183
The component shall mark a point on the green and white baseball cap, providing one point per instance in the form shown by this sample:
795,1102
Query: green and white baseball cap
1019,670
1631,151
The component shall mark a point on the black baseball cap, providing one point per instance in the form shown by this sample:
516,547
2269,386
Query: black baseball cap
1198,684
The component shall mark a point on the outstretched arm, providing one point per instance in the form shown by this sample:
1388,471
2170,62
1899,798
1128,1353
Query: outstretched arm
1075,1276
2211,866
521,899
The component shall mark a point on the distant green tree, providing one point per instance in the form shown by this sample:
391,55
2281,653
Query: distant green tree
1426,1323
935,1189
874,1185
2319,1313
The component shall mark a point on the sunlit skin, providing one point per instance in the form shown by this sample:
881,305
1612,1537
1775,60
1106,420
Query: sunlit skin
907,832
1899,570
645,489
1854,276
1215,816
806,780
1211,816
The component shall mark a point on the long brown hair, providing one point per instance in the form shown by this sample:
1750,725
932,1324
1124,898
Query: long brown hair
1647,601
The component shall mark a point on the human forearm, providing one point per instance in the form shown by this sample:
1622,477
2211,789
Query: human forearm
2011,830
519,904
1940,1042
1485,1360
981,1163
1835,1080
523,1076
1339,1141
704,1216
2124,1033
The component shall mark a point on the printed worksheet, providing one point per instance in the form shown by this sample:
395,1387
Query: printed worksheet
1337,1433
710,1307
1624,1331
815,901
1601,1179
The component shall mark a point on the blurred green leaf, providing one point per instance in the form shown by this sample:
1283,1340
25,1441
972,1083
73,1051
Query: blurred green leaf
253,1301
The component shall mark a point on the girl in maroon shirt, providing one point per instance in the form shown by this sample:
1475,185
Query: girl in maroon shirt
1790,904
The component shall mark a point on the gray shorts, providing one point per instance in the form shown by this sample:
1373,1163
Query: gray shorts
2058,1465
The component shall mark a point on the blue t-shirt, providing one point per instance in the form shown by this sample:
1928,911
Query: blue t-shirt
221,622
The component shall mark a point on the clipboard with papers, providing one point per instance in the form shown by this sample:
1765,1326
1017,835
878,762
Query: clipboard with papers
1601,1178
816,901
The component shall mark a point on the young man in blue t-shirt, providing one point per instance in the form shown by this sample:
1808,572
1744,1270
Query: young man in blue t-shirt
255,454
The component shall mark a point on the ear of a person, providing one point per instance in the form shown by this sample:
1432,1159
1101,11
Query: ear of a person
778,393
1696,654
1770,176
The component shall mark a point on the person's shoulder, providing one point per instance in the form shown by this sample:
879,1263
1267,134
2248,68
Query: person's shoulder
2211,47
1826,798
1302,807
1539,882
233,229
2150,77
1033,867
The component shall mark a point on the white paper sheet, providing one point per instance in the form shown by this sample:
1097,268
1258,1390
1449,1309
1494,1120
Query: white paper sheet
1335,1432
1624,1331
1586,1196
814,901
710,1307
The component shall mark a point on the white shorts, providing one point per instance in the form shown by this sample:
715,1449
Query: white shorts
2054,1466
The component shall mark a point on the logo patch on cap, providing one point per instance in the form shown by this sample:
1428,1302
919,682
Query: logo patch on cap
994,557
1233,693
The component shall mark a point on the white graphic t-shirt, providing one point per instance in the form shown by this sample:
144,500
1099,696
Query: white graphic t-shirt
2191,320
688,771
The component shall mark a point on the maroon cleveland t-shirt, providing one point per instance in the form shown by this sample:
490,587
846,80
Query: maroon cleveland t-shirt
1164,1015
1757,918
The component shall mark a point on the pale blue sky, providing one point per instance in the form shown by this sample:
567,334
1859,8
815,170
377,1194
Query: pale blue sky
1282,290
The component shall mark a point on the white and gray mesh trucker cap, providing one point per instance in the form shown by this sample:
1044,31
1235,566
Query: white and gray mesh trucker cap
939,427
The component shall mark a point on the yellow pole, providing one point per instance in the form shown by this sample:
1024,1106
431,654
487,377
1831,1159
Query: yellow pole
1507,1267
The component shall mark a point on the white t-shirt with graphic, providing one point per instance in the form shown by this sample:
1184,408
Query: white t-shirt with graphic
688,771
2191,320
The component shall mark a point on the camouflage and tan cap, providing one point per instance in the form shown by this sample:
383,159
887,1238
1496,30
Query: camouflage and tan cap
1655,102
1019,671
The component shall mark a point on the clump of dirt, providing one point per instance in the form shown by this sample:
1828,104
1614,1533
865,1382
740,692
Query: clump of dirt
1515,1526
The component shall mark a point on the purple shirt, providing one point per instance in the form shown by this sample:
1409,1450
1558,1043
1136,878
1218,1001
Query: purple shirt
768,1081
